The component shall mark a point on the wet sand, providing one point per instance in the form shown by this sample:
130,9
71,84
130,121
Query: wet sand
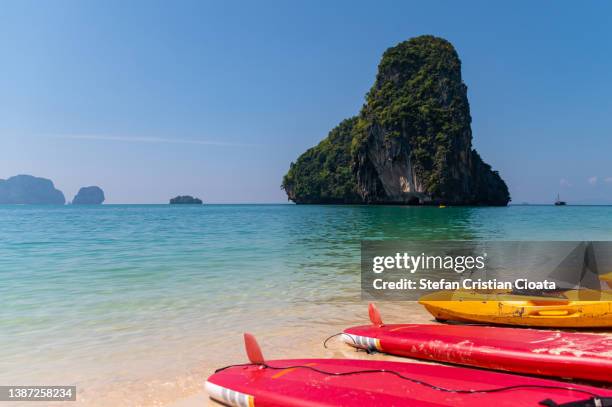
307,342
296,331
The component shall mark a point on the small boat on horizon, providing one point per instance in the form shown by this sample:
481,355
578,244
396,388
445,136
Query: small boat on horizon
559,202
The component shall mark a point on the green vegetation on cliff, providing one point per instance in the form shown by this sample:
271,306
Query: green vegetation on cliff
411,143
420,100
323,173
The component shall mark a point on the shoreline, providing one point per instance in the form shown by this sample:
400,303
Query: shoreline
396,312
302,341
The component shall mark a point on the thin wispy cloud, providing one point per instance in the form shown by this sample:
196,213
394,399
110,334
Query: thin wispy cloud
154,140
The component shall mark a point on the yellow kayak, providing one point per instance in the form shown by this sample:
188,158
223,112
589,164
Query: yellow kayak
572,310
606,277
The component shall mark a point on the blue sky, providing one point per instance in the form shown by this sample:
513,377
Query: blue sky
154,99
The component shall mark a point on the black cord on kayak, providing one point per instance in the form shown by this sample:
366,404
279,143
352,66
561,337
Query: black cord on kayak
357,347
338,334
439,388
330,337
421,382
230,366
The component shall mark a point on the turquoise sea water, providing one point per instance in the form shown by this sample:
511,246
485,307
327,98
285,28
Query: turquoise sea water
100,295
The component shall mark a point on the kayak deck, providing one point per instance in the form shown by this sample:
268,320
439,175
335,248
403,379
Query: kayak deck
345,382
550,353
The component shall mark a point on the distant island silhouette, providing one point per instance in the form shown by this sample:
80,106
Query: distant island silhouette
89,196
30,190
185,199
26,189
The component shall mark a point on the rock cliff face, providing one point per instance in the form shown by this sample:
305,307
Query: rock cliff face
89,196
26,189
410,144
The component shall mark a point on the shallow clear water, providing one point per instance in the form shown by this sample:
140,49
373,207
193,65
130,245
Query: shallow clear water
116,294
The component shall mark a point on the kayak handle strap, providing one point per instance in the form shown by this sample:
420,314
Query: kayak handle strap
592,402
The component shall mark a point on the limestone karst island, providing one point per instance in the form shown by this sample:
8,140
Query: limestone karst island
29,190
26,189
411,143
92,195
185,200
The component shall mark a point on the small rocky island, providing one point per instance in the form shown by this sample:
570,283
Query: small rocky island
410,144
89,196
30,190
185,199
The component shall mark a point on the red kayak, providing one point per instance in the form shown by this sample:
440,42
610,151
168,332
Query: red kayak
344,382
538,352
